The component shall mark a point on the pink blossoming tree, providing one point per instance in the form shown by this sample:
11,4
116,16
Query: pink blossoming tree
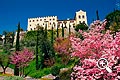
96,43
21,58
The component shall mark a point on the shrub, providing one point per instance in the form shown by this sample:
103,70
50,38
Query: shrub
65,75
55,70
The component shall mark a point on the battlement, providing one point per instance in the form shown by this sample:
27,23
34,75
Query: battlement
43,17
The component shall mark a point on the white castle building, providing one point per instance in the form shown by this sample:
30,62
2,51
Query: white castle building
49,21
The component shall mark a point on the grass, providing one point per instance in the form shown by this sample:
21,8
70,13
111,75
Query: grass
32,72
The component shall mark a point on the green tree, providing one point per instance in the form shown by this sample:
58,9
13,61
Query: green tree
4,61
113,21
13,34
62,31
97,15
69,29
37,65
81,26
39,29
7,42
52,36
58,30
45,31
16,70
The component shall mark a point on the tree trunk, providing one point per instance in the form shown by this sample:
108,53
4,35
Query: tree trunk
4,68
16,71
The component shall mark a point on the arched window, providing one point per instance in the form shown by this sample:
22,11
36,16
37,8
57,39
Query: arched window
79,17
83,16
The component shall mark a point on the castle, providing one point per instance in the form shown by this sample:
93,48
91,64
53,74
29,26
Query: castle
49,21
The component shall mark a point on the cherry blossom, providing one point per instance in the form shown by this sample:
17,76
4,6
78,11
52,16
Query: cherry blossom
96,43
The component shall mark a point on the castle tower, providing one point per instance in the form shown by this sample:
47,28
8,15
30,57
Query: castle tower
81,17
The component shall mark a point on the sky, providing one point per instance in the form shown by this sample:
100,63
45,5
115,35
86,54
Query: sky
14,11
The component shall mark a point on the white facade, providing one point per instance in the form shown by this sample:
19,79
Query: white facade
80,17
42,21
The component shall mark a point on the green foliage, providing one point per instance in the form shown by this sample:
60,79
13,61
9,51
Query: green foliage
81,26
17,48
29,39
37,66
40,73
55,70
14,78
62,31
45,34
17,38
66,75
52,36
7,48
4,61
113,17
57,31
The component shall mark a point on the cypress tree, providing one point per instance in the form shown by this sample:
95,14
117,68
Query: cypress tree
69,29
45,31
13,38
16,70
62,31
57,31
97,15
5,33
52,36
37,65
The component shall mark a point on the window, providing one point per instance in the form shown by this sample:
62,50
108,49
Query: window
31,28
83,21
37,19
38,24
43,23
79,17
30,24
30,21
53,19
83,16
40,19
34,28
50,19
45,19
33,20
50,23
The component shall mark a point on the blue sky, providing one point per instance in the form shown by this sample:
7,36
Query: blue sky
13,11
